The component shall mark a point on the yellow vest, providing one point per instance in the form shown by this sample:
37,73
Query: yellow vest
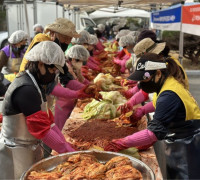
10,77
38,38
191,106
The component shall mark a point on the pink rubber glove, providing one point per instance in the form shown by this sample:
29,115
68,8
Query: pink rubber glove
100,46
144,138
56,141
129,93
122,62
92,59
93,66
120,54
82,94
125,108
76,85
136,99
63,110
141,111
62,92
134,90
65,93
96,52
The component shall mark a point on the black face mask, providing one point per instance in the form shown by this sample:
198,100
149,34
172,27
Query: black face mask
91,53
22,47
62,45
15,49
151,86
36,33
47,77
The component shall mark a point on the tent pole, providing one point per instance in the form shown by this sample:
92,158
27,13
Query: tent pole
181,39
27,23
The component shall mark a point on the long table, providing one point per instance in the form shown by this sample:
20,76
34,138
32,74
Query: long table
147,156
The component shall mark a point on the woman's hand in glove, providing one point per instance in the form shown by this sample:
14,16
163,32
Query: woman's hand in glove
115,145
126,94
82,94
125,108
137,114
141,111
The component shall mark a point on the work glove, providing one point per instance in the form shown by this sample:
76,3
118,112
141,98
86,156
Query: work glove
141,111
138,98
65,93
127,107
93,66
126,93
91,91
56,141
141,139
81,94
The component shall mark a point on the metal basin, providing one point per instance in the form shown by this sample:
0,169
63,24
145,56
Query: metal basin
103,156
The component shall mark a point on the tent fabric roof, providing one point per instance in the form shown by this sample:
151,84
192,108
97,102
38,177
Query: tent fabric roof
89,5
120,12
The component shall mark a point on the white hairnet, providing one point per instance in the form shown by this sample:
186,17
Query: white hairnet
134,33
93,40
84,38
38,25
116,28
17,37
101,27
127,40
121,33
47,52
78,52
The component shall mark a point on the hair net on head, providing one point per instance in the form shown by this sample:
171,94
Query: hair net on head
134,33
84,38
101,27
127,40
17,37
47,52
121,33
93,40
78,52
38,25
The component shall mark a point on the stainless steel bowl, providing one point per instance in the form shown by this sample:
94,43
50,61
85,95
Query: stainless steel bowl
103,156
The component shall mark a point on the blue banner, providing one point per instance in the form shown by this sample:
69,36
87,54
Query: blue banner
168,19
167,16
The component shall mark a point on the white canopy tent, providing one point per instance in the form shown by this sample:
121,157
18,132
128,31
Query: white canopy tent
120,12
90,5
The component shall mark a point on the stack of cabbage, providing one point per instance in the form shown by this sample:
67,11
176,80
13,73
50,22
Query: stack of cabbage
105,109
106,82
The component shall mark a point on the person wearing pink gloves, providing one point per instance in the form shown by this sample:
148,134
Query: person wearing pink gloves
176,119
92,63
76,56
88,41
99,47
127,42
138,95
26,120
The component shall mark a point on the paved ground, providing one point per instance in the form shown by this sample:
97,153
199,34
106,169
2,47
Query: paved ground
194,83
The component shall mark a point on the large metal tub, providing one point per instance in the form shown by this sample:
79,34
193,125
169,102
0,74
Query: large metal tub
103,156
